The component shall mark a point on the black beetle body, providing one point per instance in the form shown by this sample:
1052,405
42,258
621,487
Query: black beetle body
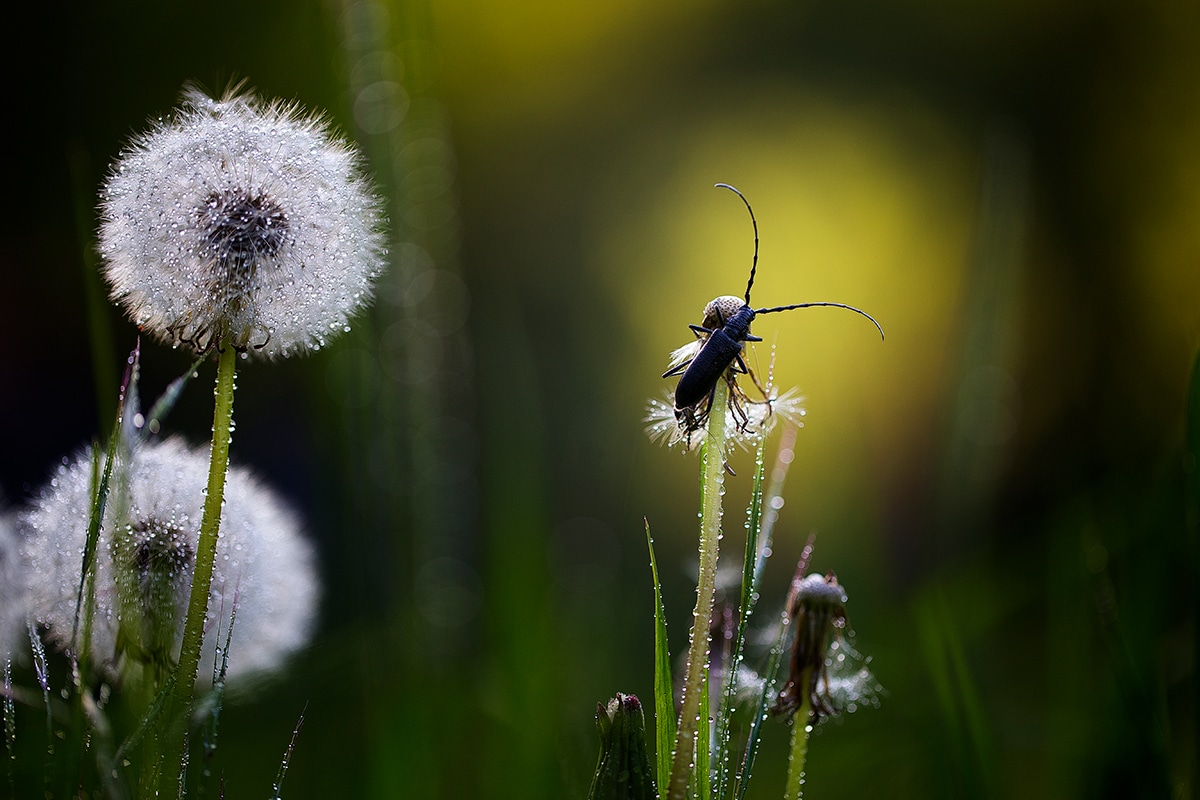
720,352
726,326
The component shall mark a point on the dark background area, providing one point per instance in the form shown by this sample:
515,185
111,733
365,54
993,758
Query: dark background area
1012,189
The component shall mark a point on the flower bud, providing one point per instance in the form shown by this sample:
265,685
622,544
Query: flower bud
624,771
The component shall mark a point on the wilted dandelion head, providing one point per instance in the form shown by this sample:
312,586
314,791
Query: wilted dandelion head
14,599
241,222
824,666
146,556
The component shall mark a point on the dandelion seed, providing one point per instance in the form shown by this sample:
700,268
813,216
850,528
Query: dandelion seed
13,590
145,559
241,222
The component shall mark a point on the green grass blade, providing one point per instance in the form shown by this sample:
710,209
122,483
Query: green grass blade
664,702
704,743
277,788
101,477
741,781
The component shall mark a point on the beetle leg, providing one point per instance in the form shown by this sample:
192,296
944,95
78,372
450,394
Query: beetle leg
678,369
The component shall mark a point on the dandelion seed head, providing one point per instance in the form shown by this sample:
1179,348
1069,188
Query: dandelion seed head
745,423
146,555
14,591
242,222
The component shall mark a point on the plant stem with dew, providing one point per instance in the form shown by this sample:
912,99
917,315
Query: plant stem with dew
794,789
712,469
206,550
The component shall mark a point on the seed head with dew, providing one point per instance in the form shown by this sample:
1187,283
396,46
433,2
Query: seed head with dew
241,222
145,555
14,591
746,421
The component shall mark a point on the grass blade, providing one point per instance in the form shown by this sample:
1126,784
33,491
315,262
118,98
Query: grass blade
287,756
664,702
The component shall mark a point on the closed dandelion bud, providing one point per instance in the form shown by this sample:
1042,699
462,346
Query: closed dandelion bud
823,665
145,557
13,591
243,223
624,771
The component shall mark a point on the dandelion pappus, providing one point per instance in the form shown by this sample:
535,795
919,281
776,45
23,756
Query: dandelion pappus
725,329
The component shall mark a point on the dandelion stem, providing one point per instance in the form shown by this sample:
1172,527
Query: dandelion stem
794,789
206,551
712,470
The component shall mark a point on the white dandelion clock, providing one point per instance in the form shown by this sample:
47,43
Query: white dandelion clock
241,222
13,591
264,577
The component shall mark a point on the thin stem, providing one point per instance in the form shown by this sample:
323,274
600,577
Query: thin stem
800,729
712,468
206,550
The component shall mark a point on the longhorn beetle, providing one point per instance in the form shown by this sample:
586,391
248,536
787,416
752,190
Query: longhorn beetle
726,326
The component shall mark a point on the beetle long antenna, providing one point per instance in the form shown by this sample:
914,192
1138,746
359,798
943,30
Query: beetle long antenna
810,305
754,222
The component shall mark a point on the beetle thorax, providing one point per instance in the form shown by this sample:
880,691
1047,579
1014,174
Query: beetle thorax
720,310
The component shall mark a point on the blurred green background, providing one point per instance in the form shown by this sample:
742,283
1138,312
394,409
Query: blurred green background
1012,189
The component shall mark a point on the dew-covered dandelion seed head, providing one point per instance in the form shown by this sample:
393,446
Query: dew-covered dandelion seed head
746,420
241,222
14,593
146,556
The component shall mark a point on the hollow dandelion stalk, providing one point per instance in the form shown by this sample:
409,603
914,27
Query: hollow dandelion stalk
712,469
206,551
184,678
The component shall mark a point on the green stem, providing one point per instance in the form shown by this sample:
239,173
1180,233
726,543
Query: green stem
206,550
210,523
712,468
799,754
